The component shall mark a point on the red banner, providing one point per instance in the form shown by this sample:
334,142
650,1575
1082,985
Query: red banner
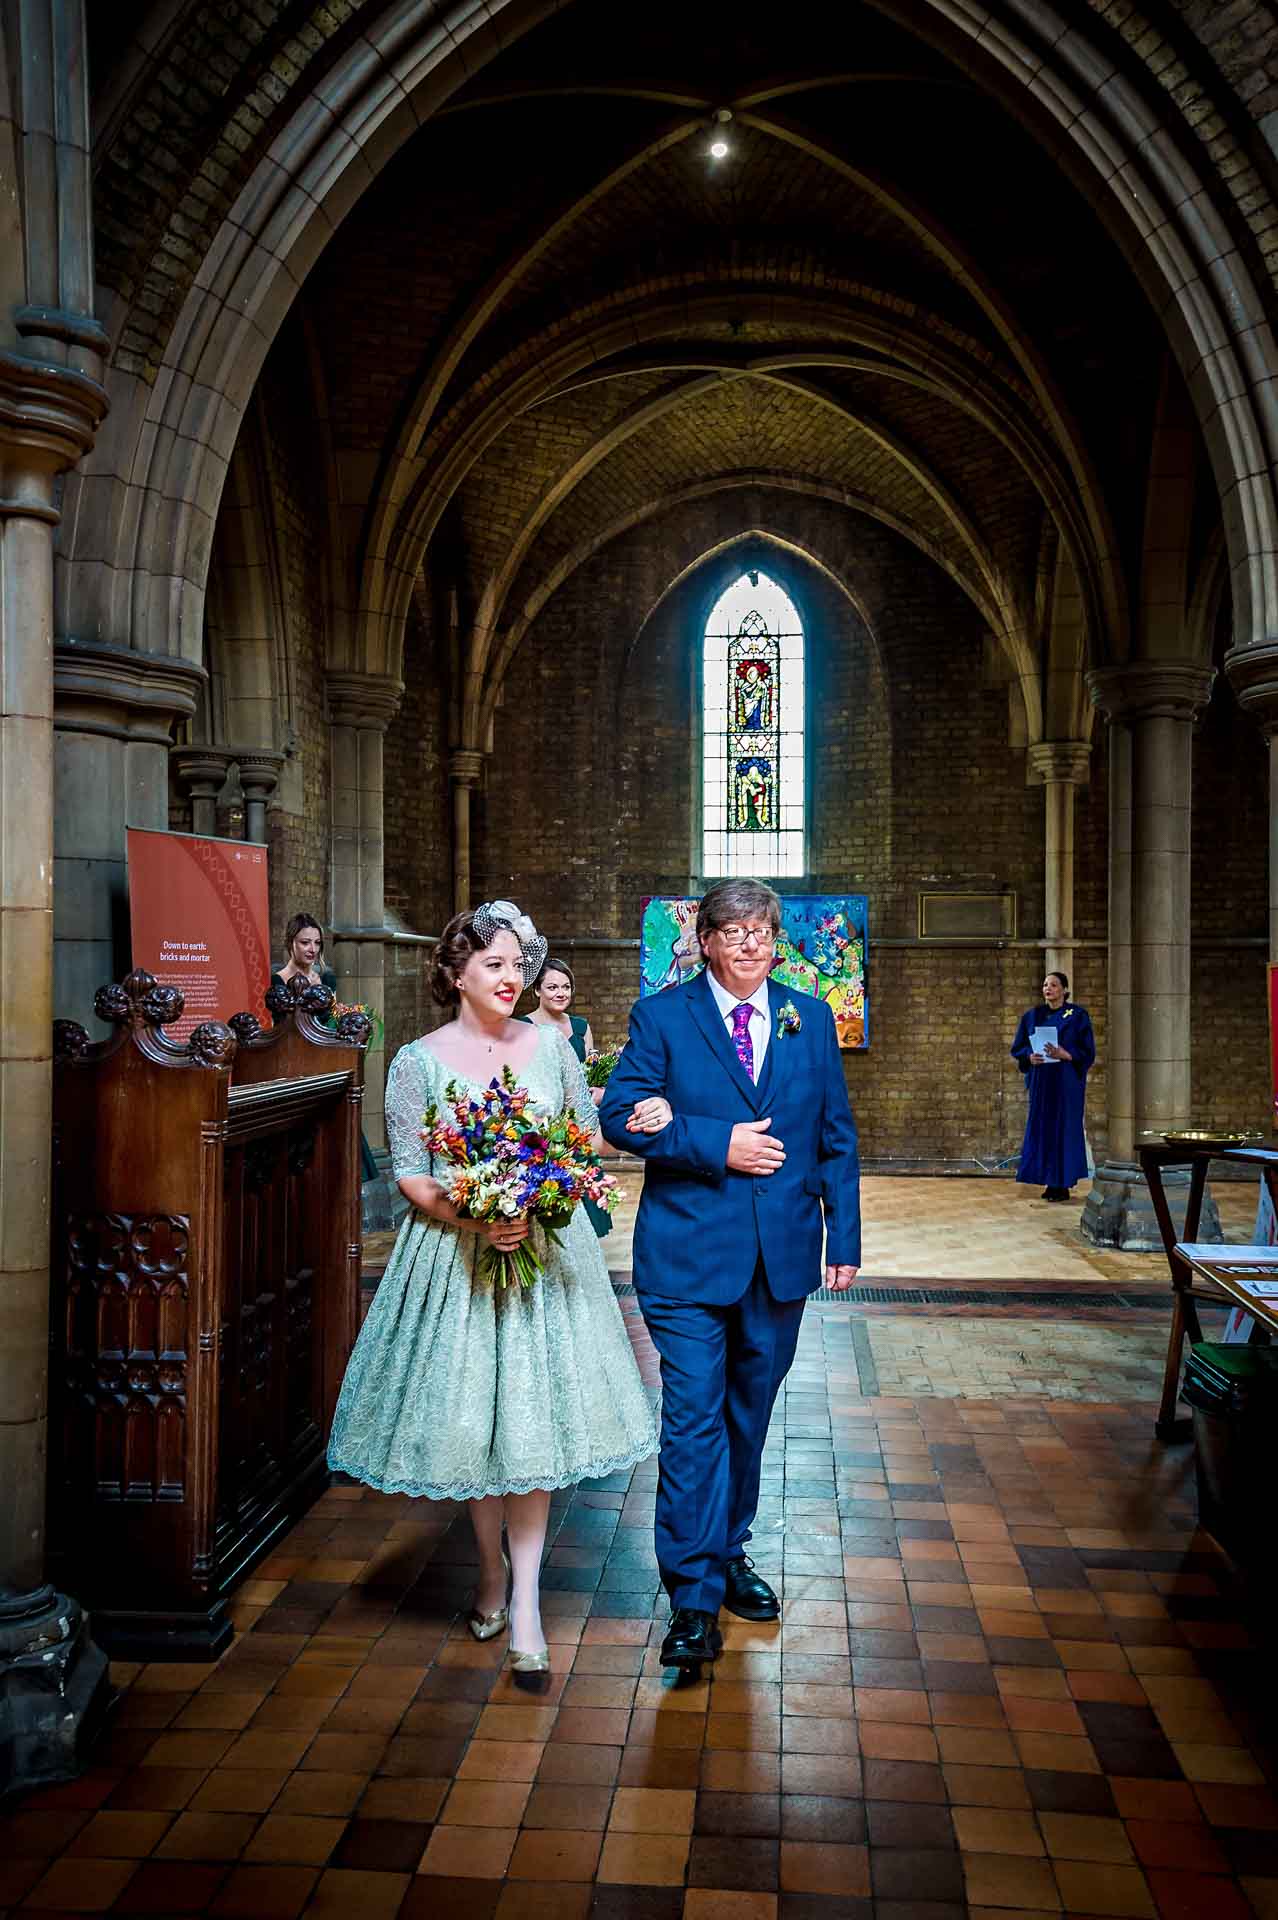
201,921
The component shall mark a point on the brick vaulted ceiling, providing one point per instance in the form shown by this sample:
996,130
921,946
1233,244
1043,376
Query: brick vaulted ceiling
553,312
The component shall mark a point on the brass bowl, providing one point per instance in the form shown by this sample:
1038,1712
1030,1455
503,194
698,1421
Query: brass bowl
1205,1137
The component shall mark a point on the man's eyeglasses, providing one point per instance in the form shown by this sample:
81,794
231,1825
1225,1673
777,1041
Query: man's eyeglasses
735,936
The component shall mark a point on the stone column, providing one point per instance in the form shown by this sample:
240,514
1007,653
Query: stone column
53,1680
201,773
259,777
464,767
1061,766
114,710
1253,674
1152,704
361,706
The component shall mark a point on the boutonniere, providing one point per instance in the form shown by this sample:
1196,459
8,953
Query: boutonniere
788,1020
1067,1013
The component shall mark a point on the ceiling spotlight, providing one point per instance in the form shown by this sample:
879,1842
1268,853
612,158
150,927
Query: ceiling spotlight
720,147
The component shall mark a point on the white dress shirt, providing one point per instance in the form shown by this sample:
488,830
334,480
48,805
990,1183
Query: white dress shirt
760,1016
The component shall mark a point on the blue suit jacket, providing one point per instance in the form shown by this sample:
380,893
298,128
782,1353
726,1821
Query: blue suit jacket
701,1228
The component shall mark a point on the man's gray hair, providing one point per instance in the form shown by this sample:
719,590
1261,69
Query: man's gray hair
731,901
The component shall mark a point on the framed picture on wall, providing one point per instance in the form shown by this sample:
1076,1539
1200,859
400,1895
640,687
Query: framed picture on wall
823,950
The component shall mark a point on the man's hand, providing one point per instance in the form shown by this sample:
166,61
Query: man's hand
839,1279
649,1116
751,1150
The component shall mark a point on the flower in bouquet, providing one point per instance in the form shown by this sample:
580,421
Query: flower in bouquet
342,1007
511,1163
600,1063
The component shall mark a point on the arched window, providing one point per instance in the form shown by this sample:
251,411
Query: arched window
752,743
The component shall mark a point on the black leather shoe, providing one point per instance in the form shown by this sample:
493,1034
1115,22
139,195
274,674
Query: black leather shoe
692,1638
746,1594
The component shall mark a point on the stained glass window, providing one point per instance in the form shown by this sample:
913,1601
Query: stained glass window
752,711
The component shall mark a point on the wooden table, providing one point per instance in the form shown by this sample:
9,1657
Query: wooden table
1194,1277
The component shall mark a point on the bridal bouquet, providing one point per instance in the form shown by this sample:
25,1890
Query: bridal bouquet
600,1063
511,1164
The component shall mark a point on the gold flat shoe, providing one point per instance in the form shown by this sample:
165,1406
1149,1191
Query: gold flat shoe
528,1662
486,1626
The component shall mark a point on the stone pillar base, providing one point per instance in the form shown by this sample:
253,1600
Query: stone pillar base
54,1689
1119,1212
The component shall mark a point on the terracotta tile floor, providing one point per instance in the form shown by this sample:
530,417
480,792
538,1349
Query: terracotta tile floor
1012,1682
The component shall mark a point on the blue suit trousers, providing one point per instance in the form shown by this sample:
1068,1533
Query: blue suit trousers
721,1367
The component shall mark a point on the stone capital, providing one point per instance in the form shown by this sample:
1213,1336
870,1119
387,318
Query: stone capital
48,419
465,764
259,771
1178,689
1253,675
122,692
363,699
1064,760
201,771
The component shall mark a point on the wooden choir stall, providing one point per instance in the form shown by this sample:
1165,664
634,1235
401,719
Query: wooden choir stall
206,1255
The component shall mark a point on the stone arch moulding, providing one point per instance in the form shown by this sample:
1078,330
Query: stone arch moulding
975,570
139,514
250,703
570,355
757,535
786,556
1066,665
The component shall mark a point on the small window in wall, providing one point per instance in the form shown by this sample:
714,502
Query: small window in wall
752,712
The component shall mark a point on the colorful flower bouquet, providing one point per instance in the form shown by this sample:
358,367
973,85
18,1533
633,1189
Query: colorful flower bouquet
600,1063
511,1164
343,1007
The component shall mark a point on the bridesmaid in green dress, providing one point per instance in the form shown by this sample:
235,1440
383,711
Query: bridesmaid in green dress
555,989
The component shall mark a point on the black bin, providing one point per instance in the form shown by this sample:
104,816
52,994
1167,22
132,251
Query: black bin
1233,1394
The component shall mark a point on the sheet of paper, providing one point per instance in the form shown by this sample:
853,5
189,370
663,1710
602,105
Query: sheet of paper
1041,1037
1259,1289
1223,1256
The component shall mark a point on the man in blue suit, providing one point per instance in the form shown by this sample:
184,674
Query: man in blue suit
728,1238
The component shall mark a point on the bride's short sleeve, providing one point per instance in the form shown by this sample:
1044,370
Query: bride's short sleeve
408,1093
575,1085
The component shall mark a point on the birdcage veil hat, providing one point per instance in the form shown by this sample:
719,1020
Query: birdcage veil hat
503,916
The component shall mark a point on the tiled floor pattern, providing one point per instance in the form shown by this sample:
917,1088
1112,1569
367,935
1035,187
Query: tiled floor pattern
985,1358
1011,1682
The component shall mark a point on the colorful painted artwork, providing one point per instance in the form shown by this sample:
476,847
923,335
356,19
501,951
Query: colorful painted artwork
823,950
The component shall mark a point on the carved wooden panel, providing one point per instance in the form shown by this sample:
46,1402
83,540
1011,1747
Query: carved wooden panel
205,1268
270,1408
125,1406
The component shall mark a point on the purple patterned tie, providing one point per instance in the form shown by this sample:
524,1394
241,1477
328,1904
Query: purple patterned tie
741,1035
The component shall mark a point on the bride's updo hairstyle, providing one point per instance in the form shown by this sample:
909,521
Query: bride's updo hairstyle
456,944
474,932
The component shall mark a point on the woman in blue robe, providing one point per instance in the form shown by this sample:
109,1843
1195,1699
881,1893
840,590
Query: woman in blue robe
1054,1150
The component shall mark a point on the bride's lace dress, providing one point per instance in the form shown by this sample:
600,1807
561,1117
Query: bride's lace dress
458,1389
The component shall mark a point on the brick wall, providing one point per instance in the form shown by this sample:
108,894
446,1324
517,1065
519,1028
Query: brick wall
589,800
299,838
1229,892
589,804
298,818
418,858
